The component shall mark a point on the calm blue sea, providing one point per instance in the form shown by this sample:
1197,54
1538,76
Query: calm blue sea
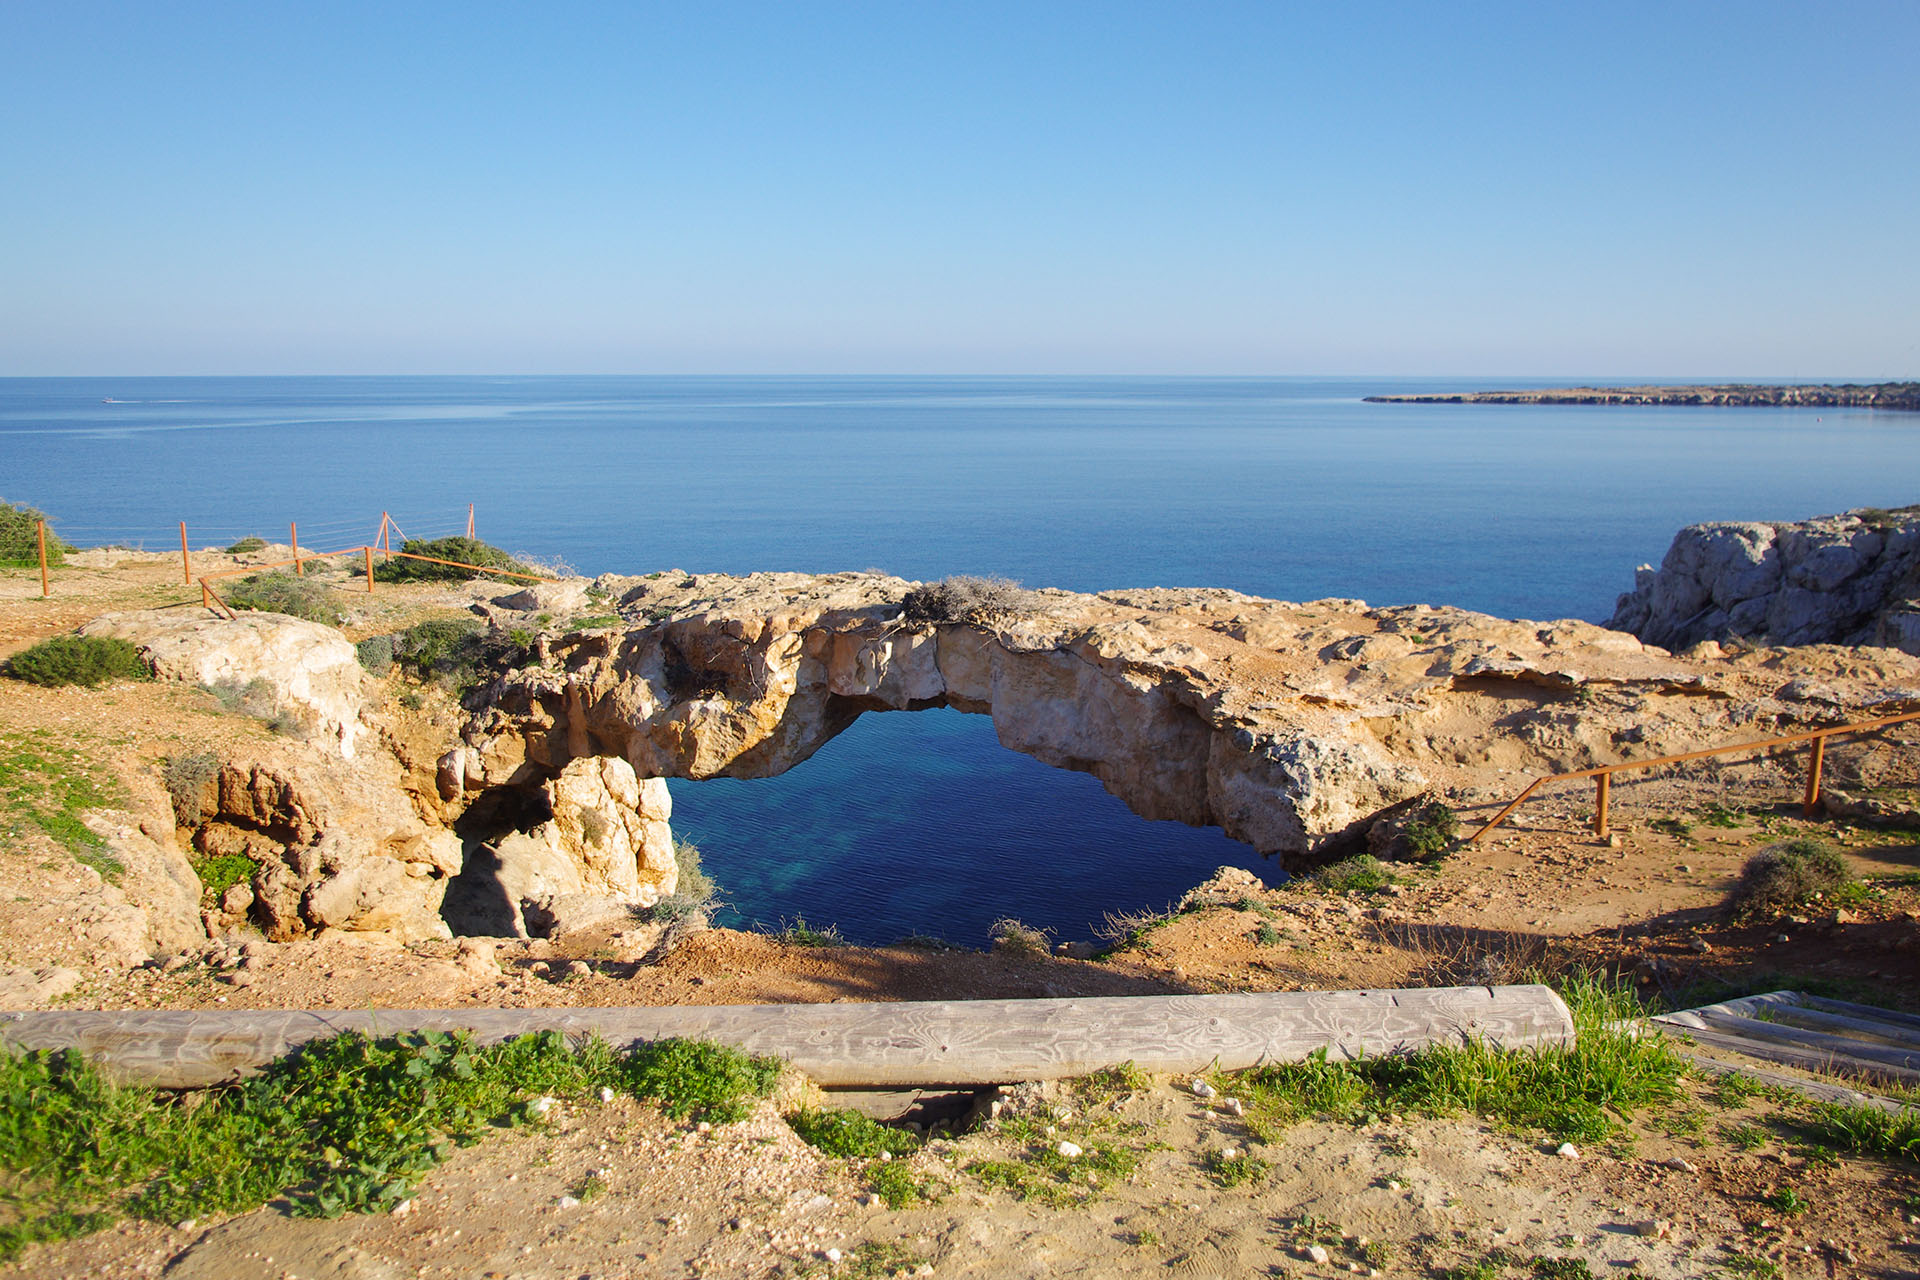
1284,487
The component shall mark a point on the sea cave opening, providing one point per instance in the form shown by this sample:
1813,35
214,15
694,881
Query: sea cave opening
923,824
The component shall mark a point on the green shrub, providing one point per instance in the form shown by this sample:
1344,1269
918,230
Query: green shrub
694,883
1431,830
375,654
297,597
81,660
802,934
445,649
965,599
246,545
20,537
465,551
1789,874
189,779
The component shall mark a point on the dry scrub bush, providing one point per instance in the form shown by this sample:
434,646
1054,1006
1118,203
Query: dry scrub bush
965,599
1011,937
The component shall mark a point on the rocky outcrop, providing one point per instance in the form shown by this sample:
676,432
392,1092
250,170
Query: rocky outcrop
1847,579
1284,724
1875,395
309,670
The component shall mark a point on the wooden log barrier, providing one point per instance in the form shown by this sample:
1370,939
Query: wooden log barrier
953,1042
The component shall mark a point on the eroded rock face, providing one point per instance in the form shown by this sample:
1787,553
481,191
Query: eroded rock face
1847,579
311,669
334,846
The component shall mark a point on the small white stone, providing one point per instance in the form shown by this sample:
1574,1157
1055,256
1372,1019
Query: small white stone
833,1255
539,1107
1394,1184
606,1094
1568,1151
1231,1153
1315,1254
1070,1150
402,1209
1233,1106
566,1202
1684,1166
187,1225
1201,1089
703,1127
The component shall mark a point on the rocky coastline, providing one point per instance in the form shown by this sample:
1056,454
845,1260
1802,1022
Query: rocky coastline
1878,395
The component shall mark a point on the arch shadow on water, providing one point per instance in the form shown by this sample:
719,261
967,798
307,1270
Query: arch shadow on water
922,823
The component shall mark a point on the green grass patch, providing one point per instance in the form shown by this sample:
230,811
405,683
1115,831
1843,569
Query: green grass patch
48,788
346,1125
842,1132
217,875
1111,1084
896,1183
1363,874
1236,1170
1577,1092
1041,1174
88,661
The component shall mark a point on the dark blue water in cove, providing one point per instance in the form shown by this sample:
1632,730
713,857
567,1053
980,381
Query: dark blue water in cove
1284,487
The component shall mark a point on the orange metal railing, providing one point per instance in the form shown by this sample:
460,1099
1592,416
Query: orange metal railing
1602,775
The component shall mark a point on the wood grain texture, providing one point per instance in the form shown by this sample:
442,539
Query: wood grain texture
1814,1034
959,1042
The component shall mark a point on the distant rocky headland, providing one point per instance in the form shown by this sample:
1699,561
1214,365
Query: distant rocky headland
1877,395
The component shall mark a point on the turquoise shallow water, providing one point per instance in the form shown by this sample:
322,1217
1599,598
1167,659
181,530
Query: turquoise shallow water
1285,487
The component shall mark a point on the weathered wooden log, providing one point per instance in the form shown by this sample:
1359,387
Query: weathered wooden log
957,1042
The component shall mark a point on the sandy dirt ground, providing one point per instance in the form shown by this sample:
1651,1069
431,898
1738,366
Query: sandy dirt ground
1673,1196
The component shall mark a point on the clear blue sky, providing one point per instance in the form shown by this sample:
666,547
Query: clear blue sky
1661,189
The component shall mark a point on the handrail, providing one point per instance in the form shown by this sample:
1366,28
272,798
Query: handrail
1603,774
209,597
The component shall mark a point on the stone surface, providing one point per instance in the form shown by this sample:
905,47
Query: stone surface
311,669
1845,579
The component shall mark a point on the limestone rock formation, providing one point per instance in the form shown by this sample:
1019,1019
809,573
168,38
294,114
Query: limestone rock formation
1285,724
334,846
310,669
1846,579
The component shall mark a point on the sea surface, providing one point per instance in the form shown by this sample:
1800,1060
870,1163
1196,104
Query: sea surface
1285,487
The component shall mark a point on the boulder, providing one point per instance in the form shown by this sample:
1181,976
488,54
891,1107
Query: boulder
311,671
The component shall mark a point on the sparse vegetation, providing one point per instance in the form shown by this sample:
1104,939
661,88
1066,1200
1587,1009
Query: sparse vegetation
47,787
1787,875
1011,937
802,934
1362,874
221,873
297,597
1237,1169
1124,929
345,1125
87,661
20,535
965,599
471,558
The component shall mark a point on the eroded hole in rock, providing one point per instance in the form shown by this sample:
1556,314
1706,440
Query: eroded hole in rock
921,823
